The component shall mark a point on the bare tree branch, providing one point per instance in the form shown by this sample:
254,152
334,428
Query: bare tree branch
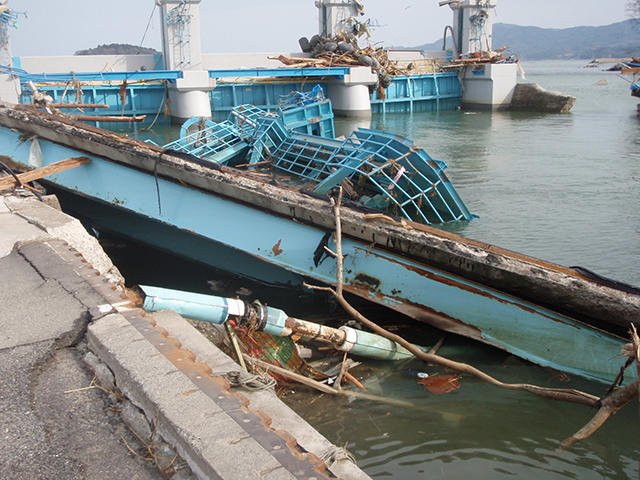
610,406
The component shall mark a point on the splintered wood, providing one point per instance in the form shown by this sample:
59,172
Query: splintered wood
37,174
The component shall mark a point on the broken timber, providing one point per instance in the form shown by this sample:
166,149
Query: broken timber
78,105
39,173
108,118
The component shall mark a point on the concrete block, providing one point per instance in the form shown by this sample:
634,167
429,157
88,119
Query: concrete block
195,80
213,443
532,97
91,360
137,421
360,76
283,418
104,376
64,227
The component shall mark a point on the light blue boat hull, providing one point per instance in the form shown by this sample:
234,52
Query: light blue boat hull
231,234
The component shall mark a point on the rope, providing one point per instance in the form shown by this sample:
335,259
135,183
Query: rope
337,454
148,24
157,113
240,378
4,167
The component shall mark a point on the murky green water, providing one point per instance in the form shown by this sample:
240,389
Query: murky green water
563,188
478,431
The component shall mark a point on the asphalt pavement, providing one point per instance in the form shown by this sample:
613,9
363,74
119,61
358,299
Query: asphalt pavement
53,426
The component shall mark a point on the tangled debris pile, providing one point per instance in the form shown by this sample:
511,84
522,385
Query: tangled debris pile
484,57
343,51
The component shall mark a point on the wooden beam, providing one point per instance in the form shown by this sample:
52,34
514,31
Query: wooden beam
107,118
38,173
79,105
630,70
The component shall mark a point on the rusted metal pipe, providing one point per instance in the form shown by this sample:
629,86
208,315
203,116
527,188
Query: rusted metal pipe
315,331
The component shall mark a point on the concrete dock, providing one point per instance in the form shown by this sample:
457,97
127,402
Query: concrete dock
95,388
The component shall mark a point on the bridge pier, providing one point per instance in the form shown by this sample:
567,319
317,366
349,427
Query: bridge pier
350,96
182,50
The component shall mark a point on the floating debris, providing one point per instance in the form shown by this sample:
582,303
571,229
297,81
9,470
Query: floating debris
416,373
439,384
480,58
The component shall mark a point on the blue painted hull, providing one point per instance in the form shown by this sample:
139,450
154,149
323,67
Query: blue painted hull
218,208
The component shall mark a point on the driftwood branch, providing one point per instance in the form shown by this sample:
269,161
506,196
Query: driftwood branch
79,105
567,395
108,118
613,402
610,406
321,386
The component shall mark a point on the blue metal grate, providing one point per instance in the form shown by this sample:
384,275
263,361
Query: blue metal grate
378,169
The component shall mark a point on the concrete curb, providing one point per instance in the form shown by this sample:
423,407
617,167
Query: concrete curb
220,432
266,401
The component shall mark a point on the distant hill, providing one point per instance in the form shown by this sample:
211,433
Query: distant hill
618,40
117,49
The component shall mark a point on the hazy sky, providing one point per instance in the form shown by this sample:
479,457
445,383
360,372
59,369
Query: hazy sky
65,26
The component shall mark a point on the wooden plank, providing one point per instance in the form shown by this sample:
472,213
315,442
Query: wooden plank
630,70
79,105
107,118
38,173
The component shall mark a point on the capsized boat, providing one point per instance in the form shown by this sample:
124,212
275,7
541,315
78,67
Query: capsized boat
275,232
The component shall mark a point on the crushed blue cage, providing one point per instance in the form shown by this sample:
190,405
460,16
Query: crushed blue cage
309,113
380,170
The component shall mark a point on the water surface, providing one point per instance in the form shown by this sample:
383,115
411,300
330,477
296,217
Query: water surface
560,187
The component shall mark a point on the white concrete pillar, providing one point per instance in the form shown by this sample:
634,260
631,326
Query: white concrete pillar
350,96
489,86
472,24
190,96
335,15
349,100
182,50
181,45
485,86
